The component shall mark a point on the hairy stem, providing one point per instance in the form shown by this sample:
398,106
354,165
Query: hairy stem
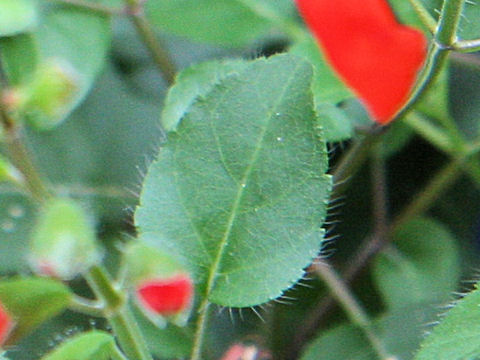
117,312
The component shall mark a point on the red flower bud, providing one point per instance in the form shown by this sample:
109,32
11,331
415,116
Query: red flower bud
166,297
377,57
245,352
6,324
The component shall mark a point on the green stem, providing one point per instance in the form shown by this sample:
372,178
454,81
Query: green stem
117,312
467,45
86,306
200,330
423,200
424,15
160,56
448,23
432,133
354,158
350,305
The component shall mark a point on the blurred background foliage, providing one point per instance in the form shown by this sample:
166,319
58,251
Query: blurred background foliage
100,152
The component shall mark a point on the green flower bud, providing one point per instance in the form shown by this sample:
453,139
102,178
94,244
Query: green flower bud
46,100
64,243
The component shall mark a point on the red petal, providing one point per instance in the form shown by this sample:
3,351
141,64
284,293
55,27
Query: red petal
377,57
167,296
6,324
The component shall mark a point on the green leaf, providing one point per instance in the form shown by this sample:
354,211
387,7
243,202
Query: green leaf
334,122
221,22
239,193
17,16
457,336
469,28
327,87
32,301
424,259
400,331
193,83
94,345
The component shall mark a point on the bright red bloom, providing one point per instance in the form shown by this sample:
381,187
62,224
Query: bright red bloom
6,324
377,57
166,297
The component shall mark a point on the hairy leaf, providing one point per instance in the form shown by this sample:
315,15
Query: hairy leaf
239,191
456,337
192,83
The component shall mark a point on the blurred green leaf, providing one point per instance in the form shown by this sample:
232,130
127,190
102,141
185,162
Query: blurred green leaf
192,83
334,122
457,336
94,345
222,22
16,222
239,192
166,343
17,16
327,87
424,259
400,331
32,301
68,34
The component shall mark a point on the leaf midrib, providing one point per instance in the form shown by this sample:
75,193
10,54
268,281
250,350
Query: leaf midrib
240,190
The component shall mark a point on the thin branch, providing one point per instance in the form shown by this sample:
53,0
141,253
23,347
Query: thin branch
157,50
467,46
351,306
424,15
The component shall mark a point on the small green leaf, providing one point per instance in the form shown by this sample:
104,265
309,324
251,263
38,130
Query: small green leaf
457,336
424,259
221,22
94,345
400,331
32,301
17,16
327,87
239,191
193,83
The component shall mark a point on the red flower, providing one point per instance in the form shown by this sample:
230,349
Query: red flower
6,324
166,297
377,57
